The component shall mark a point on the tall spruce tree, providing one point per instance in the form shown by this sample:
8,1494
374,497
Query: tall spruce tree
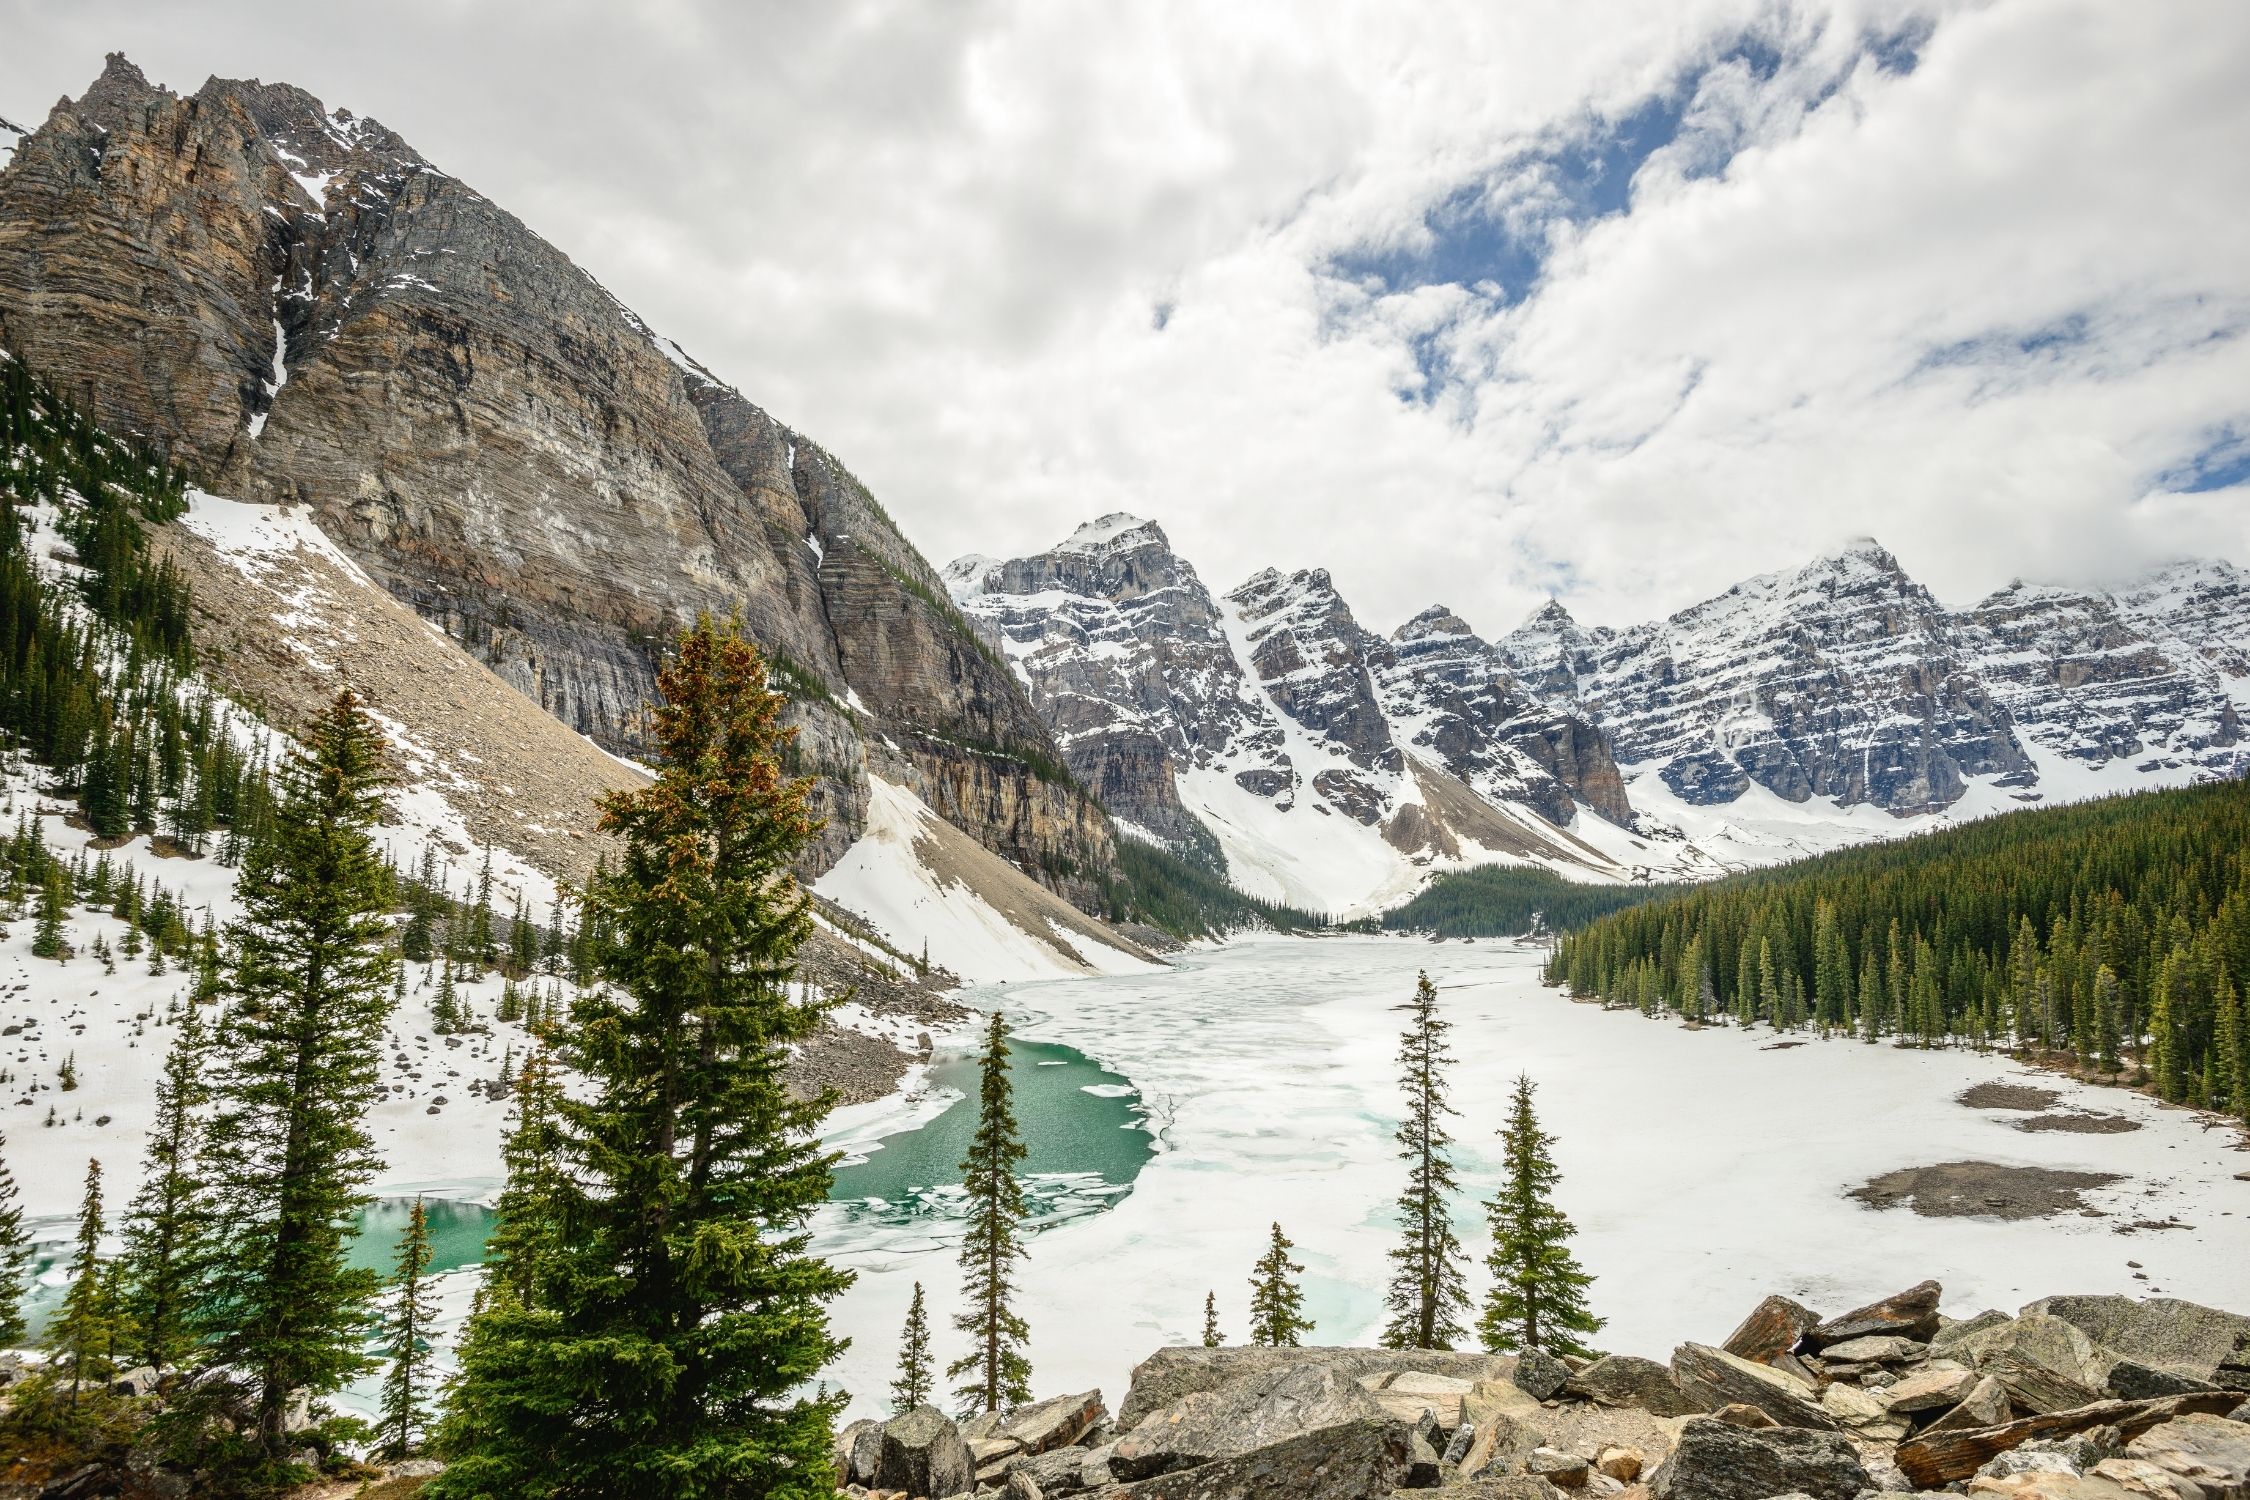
169,1219
1212,1338
1538,1296
1000,1371
406,1336
287,1157
86,1331
912,1388
1429,1295
1277,1305
15,1255
672,1319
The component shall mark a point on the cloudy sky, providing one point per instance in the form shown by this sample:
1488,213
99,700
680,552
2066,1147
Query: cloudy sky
1465,302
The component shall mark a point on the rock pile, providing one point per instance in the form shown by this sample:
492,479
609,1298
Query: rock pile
2073,1398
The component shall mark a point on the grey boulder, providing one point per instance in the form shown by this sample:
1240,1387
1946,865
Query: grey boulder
923,1454
1714,1461
1257,1412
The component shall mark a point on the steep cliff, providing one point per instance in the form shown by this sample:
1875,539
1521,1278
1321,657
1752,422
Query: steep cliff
299,307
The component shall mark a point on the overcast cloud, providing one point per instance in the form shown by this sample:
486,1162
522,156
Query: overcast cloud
1472,303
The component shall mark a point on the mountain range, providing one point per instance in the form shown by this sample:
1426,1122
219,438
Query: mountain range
461,425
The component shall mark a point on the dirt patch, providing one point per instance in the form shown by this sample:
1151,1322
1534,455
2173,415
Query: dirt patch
2087,1122
2021,1096
1983,1190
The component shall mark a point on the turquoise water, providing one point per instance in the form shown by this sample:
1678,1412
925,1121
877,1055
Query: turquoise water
457,1234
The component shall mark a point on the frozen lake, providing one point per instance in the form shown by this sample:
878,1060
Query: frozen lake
1704,1168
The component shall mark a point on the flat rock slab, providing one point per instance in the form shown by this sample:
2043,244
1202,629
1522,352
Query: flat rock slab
1369,1456
1629,1380
2210,1451
1775,1326
1258,1412
1934,1458
1717,1462
1911,1314
2165,1332
1982,1190
1181,1370
1714,1379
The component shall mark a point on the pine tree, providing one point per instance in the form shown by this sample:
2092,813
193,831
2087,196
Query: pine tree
287,1153
1212,1338
407,1322
85,1334
167,1224
15,1256
912,1388
1538,1297
1429,1296
685,1162
54,905
1001,1374
1277,1306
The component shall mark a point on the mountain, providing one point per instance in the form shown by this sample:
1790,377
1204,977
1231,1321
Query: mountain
300,309
1269,734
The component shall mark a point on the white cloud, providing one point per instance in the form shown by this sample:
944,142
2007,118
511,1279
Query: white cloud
938,238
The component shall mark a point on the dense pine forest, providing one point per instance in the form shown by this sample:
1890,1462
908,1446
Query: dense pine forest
2116,932
1510,900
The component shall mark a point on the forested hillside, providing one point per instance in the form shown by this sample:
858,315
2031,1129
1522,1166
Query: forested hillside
2115,931
1509,900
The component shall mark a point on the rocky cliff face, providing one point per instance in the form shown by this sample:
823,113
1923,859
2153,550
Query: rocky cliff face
1250,727
301,308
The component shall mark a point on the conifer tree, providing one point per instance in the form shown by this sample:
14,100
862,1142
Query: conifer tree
1277,1306
407,1322
912,1388
1429,1296
672,1318
84,1337
47,940
15,1256
168,1221
999,1370
1212,1338
287,1155
1538,1297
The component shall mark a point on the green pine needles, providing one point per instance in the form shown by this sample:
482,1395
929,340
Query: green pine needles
168,1225
1429,1297
15,1256
407,1322
912,1388
1277,1305
659,1320
1212,1338
999,1371
1538,1296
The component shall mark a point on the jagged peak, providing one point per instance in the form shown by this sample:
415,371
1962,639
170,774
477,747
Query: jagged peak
969,575
1552,615
1861,550
118,68
1113,532
1436,620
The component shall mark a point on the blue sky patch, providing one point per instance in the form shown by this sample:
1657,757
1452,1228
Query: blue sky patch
2219,464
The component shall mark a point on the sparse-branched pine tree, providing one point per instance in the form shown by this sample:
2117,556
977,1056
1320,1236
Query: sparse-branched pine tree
15,1256
407,1322
1277,1306
672,1319
54,905
66,1076
999,1371
912,1388
1212,1338
1538,1297
1429,1296
445,1010
86,1331
287,1155
167,1224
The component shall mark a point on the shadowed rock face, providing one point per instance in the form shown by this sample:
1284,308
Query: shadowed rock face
300,308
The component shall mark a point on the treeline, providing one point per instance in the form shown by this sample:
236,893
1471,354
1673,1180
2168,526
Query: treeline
1510,900
1159,889
2117,931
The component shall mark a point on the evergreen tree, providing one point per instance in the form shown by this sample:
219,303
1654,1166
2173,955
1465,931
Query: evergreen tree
1000,1372
1538,1297
15,1256
54,905
406,1340
166,1226
287,1155
84,1337
912,1388
1277,1306
1212,1338
671,1317
1429,1296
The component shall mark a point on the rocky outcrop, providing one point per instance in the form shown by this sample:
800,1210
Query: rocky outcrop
301,308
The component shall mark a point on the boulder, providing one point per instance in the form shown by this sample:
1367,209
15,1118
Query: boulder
1863,1414
2210,1452
1021,1486
1984,1405
1933,1458
1961,1329
1775,1326
1504,1396
1363,1456
1740,1414
2051,1485
1934,1387
1206,1427
1717,1462
1184,1369
138,1381
1876,1349
2144,1478
2130,1380
1714,1378
858,1449
1501,1443
1059,1471
1557,1467
1408,1395
923,1454
1540,1375
1620,1463
1054,1423
1911,1314
1422,1462
1628,1380
2163,1332
2046,1364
